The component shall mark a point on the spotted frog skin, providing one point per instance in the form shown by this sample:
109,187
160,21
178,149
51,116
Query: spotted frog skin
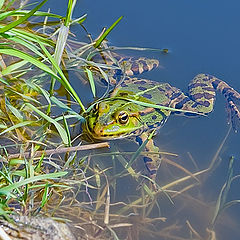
127,112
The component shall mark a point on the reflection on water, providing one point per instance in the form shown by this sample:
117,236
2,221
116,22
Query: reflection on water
202,37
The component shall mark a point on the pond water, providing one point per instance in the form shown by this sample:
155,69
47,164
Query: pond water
202,37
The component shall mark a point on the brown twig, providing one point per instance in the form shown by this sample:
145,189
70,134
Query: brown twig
60,150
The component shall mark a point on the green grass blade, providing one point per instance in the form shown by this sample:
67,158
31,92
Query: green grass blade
59,128
67,131
151,105
1,3
29,45
27,57
18,125
6,14
60,104
13,67
104,35
6,190
130,170
23,96
113,233
63,80
162,50
45,196
61,43
39,164
65,108
4,81
26,35
24,12
139,150
69,13
22,19
14,110
229,204
91,81
44,93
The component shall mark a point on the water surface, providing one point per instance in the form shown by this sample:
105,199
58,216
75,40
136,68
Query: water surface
203,37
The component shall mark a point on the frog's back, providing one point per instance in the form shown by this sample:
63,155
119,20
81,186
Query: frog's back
145,90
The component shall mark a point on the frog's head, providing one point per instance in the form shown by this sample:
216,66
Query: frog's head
112,119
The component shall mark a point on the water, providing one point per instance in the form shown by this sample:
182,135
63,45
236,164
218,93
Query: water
203,37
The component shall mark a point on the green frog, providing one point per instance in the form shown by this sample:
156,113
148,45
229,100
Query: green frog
136,107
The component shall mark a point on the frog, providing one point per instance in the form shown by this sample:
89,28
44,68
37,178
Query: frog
137,108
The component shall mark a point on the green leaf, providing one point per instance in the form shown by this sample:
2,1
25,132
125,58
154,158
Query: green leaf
6,190
63,80
4,81
14,110
45,196
30,45
69,13
67,131
151,105
139,150
1,3
22,19
91,81
24,12
23,96
27,57
18,125
13,67
104,35
28,36
59,128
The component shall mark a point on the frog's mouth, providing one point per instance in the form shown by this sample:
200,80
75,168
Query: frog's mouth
98,132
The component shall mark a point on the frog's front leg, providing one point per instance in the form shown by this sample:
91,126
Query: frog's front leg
152,161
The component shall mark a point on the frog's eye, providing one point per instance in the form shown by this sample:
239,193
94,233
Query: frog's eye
123,117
